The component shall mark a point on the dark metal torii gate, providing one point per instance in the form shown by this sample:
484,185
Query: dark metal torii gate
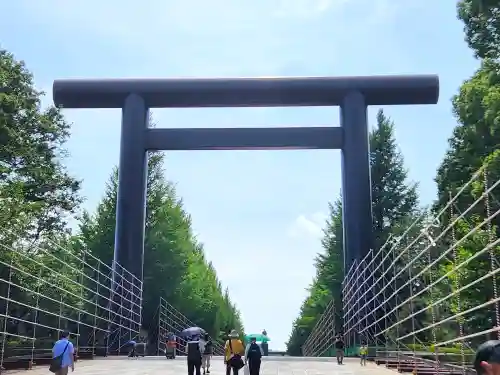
136,96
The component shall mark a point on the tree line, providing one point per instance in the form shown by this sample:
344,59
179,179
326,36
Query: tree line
38,198
474,143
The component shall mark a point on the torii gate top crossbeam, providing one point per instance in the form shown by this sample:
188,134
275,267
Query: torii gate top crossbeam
246,92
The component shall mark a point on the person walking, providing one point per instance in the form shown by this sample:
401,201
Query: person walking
253,356
363,352
194,349
264,344
207,354
63,354
171,346
339,347
234,351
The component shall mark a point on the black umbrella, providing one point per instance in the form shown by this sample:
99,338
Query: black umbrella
193,331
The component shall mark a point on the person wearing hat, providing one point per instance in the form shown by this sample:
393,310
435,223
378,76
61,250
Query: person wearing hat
487,361
234,351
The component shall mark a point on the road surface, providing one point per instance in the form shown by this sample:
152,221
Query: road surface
270,366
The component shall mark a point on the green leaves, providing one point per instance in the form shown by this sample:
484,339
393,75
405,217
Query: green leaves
481,20
175,267
393,199
36,192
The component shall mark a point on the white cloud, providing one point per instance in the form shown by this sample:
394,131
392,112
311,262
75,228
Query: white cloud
308,225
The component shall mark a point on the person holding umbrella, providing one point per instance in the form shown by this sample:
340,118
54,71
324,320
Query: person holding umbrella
194,349
262,340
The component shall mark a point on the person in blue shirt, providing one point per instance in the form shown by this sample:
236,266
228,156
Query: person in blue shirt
63,345
132,344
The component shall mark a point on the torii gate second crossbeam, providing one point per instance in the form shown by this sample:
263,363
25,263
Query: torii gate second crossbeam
136,96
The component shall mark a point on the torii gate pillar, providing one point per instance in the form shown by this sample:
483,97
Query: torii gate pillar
136,96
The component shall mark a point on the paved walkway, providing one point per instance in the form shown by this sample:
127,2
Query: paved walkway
270,366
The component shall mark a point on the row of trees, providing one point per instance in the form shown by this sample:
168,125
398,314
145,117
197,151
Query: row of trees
474,142
393,199
38,196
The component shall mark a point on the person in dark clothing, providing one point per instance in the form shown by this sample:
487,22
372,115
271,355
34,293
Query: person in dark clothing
207,354
339,348
264,345
253,355
194,350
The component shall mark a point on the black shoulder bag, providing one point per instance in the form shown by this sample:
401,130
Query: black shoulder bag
235,361
56,363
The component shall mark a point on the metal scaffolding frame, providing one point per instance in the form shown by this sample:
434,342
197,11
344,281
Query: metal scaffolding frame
322,337
171,320
418,287
429,296
46,289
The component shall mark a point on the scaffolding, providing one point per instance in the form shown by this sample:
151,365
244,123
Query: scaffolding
171,320
46,289
320,342
429,296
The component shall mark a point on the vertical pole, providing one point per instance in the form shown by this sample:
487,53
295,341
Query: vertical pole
356,181
6,315
59,329
96,311
131,201
159,330
131,197
81,302
120,326
35,318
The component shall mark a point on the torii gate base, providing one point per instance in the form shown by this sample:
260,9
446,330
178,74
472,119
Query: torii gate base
136,96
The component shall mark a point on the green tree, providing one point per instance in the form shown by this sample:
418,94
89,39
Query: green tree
477,135
36,196
175,267
474,143
394,199
481,20
36,191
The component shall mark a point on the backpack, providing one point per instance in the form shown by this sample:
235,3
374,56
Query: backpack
235,361
254,351
208,348
194,353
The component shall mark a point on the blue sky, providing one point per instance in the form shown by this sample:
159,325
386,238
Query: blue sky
265,207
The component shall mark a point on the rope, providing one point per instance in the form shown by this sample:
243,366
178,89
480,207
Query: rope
433,313
457,283
491,238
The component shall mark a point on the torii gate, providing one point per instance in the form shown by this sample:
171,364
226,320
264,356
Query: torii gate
136,96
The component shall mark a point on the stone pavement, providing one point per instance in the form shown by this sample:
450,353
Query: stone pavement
270,366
